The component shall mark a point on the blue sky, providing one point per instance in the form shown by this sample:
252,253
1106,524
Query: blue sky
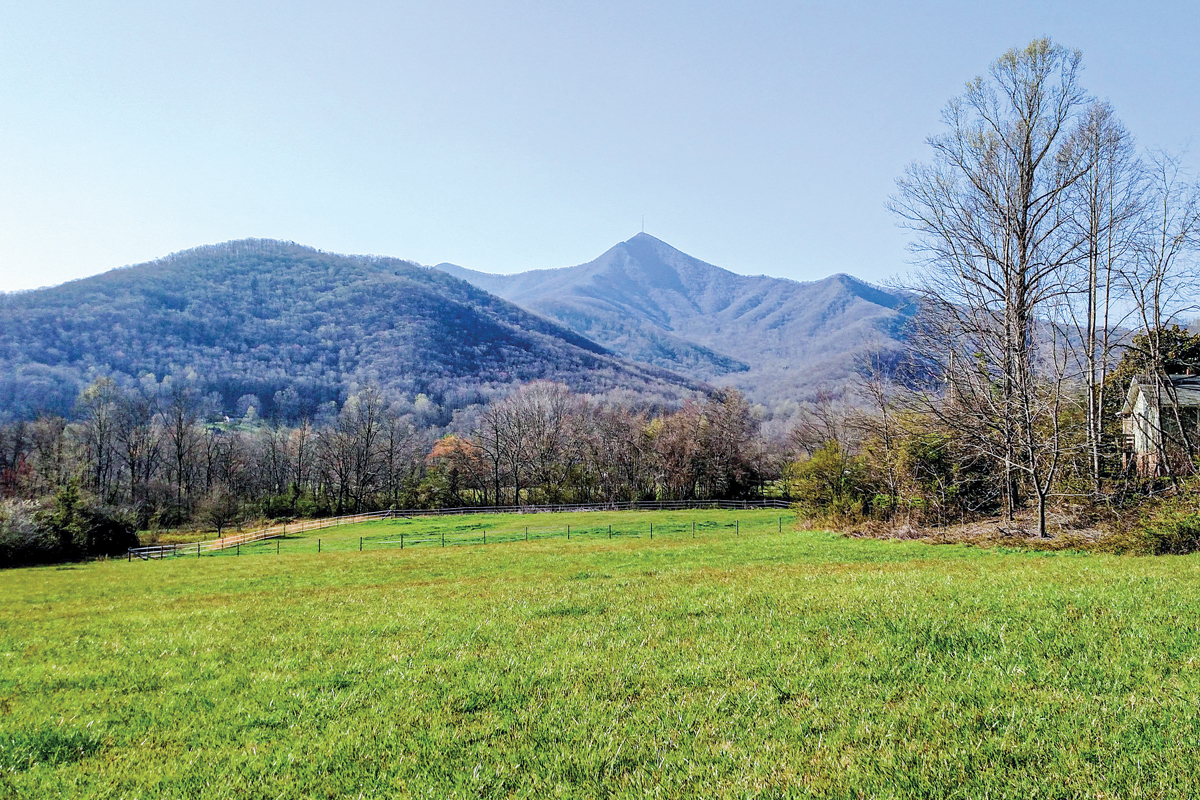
763,137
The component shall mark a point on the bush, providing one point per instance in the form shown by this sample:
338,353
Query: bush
276,506
831,485
938,481
106,535
22,540
67,530
1173,536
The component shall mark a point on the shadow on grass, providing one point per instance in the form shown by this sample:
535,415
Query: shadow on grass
23,750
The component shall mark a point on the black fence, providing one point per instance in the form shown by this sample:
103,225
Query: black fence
235,542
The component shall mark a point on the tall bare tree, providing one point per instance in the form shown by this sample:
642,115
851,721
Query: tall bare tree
300,448
401,456
730,459
550,446
139,440
98,405
620,454
994,234
1106,207
183,440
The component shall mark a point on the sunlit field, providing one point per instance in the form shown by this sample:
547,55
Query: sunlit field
493,529
743,662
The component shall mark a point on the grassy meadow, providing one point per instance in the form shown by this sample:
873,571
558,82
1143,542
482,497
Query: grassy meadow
739,663
479,529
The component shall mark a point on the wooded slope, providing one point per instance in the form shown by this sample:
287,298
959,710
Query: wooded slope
290,328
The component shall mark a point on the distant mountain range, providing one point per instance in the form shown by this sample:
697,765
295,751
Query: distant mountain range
653,304
289,329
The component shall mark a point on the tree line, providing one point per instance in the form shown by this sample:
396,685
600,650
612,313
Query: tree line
163,460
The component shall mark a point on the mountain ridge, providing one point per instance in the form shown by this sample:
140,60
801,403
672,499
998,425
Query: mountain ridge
766,335
251,319
254,318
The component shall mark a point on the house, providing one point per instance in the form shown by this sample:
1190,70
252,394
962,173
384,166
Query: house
1153,437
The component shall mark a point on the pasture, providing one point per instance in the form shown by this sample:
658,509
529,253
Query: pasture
454,530
740,663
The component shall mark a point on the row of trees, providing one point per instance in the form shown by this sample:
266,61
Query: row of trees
1046,240
544,444
163,460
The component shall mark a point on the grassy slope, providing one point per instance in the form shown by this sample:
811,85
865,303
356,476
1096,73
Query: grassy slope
760,665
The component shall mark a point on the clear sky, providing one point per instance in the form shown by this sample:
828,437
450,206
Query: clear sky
764,137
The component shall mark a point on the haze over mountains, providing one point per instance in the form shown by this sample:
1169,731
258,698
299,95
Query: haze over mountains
289,330
770,337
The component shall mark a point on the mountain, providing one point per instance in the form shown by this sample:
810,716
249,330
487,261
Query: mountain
772,337
287,329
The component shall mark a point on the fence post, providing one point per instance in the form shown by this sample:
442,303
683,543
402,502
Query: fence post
485,535
610,531
402,541
360,544
239,549
276,547
197,549
527,533
443,538
652,531
568,533
318,545
781,524
737,528
693,529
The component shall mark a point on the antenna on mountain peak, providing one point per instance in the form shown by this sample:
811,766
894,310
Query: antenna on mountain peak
643,223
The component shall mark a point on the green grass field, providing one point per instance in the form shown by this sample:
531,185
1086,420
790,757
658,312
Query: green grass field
752,665
494,529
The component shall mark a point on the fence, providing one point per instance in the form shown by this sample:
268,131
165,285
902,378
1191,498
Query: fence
287,528
249,537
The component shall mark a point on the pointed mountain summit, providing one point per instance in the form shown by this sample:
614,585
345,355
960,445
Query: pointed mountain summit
773,337
289,329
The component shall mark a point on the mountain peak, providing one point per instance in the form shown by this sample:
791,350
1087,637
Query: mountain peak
650,302
644,243
273,320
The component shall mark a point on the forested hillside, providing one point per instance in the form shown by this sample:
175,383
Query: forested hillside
286,329
775,339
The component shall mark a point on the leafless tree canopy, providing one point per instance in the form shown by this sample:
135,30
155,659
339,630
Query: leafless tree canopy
167,459
1038,232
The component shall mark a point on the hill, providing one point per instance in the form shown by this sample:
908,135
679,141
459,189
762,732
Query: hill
287,328
652,303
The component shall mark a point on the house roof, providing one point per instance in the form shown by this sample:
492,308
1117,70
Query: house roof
1186,389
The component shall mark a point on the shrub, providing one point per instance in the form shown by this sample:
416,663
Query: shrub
22,540
1173,536
831,485
67,530
106,534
